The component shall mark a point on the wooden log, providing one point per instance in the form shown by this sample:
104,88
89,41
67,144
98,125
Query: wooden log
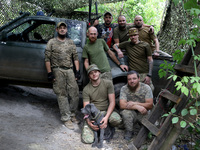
168,95
152,128
167,126
184,69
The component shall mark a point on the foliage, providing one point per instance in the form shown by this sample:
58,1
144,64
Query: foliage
146,8
188,85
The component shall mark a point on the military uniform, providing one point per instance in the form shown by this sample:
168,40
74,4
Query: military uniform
130,117
98,95
60,54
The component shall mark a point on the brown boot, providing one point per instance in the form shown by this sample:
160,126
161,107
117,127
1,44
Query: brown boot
74,120
69,125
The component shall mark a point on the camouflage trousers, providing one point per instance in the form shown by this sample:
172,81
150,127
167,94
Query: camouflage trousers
87,135
106,75
65,85
130,118
142,77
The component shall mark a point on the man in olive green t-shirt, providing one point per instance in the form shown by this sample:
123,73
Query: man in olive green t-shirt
139,56
95,51
101,93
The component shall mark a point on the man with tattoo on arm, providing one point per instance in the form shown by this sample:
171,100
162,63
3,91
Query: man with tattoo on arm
139,56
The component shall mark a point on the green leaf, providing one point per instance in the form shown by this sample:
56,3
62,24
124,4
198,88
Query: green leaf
197,103
182,41
175,120
191,124
176,2
165,115
191,4
184,112
184,90
173,110
175,77
185,79
183,124
196,21
193,112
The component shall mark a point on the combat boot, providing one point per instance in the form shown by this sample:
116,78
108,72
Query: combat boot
69,124
128,135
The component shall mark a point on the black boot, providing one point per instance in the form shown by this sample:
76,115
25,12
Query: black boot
128,135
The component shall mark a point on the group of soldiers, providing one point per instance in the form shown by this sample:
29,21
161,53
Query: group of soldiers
136,96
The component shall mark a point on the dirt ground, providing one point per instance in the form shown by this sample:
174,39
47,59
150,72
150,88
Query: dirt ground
30,120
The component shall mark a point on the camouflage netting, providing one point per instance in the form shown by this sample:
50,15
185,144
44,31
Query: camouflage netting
173,28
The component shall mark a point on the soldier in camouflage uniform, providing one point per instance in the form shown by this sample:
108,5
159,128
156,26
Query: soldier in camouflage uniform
100,92
58,61
136,99
139,56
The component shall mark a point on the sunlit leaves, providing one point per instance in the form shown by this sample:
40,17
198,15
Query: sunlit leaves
184,112
183,124
175,120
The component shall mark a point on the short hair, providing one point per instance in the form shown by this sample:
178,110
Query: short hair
133,72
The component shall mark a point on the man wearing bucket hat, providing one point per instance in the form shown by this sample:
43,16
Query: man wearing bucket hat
58,54
100,92
139,56
120,32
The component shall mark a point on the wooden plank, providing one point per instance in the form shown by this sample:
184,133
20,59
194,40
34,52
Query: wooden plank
153,116
168,95
184,68
167,126
152,128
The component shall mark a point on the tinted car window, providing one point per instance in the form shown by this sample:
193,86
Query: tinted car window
74,32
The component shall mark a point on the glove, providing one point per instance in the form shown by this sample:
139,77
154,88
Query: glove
50,76
78,75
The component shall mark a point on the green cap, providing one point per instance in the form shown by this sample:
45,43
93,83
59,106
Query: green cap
132,31
61,23
91,68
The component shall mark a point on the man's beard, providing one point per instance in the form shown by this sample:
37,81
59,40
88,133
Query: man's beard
133,88
122,27
61,36
107,23
138,26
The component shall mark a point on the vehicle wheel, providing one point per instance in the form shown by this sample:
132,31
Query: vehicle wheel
117,88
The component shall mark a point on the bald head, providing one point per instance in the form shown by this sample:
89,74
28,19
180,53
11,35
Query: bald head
92,34
122,21
138,21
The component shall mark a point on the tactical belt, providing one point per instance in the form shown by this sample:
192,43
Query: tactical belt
62,67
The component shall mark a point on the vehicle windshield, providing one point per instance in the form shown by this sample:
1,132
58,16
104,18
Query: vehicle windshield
74,33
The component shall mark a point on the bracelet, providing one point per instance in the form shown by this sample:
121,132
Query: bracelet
119,64
149,76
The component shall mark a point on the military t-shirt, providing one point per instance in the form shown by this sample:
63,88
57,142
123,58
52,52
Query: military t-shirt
60,53
95,52
137,55
98,95
145,35
143,93
122,34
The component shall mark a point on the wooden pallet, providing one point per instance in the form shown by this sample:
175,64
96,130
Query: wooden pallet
168,98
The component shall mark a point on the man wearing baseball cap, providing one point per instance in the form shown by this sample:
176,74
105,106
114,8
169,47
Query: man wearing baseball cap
139,56
58,54
101,93
105,30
